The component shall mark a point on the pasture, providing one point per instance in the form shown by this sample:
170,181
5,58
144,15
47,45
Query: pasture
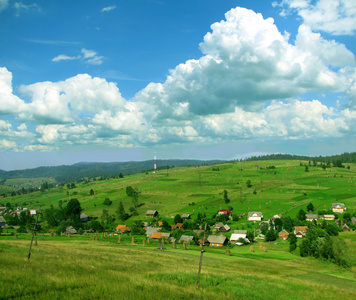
81,268
283,189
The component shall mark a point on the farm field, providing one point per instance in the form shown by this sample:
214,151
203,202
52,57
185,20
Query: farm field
81,268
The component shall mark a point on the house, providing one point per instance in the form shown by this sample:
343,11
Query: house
151,213
224,212
276,217
122,229
198,231
145,224
160,235
185,216
221,227
236,236
254,216
70,230
150,230
186,238
353,220
284,234
160,223
179,225
311,217
345,227
84,217
2,221
338,207
203,241
300,231
328,217
217,240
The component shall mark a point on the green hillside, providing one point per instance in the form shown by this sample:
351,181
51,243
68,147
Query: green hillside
277,187
97,265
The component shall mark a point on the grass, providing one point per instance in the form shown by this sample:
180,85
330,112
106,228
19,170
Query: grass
79,268
286,188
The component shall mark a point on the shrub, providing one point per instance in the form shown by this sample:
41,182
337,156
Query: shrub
107,201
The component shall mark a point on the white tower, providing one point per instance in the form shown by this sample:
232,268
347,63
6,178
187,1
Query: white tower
154,164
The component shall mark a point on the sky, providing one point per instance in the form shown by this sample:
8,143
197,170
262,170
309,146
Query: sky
110,81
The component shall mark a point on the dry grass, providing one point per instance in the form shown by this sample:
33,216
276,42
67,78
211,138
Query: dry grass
82,269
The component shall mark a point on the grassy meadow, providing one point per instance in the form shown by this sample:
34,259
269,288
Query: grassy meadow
99,266
82,268
285,189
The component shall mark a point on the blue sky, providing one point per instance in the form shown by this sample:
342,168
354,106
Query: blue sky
120,80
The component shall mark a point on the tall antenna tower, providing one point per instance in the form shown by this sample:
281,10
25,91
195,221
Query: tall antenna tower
154,164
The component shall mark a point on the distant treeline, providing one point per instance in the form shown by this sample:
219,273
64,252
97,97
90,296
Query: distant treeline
343,158
80,171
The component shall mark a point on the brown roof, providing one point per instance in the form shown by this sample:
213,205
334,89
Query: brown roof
156,235
122,228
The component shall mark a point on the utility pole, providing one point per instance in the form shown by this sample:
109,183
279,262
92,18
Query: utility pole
33,235
201,258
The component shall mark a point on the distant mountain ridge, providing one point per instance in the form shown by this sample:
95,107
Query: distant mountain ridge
81,170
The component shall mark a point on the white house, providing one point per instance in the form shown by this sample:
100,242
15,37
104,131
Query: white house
255,216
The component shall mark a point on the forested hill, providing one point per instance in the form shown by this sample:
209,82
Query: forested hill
343,158
76,172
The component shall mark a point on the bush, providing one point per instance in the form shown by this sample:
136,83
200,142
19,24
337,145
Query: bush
107,201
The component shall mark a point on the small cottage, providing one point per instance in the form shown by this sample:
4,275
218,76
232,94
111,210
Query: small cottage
150,230
121,229
2,221
284,234
338,207
311,217
185,216
220,227
217,240
151,213
255,216
70,230
186,238
328,217
300,231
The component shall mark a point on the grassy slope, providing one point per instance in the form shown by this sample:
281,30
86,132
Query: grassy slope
290,189
79,268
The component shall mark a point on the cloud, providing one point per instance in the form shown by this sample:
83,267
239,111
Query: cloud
335,17
249,84
3,5
247,62
108,8
64,57
90,57
25,8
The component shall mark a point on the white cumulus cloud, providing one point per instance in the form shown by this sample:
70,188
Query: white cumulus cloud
337,17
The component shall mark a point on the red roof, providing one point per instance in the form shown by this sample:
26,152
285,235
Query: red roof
225,211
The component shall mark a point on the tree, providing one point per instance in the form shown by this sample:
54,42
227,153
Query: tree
92,193
270,236
133,194
310,207
264,227
306,169
292,242
107,201
226,198
121,214
73,211
301,215
278,224
248,183
121,175
165,226
178,219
